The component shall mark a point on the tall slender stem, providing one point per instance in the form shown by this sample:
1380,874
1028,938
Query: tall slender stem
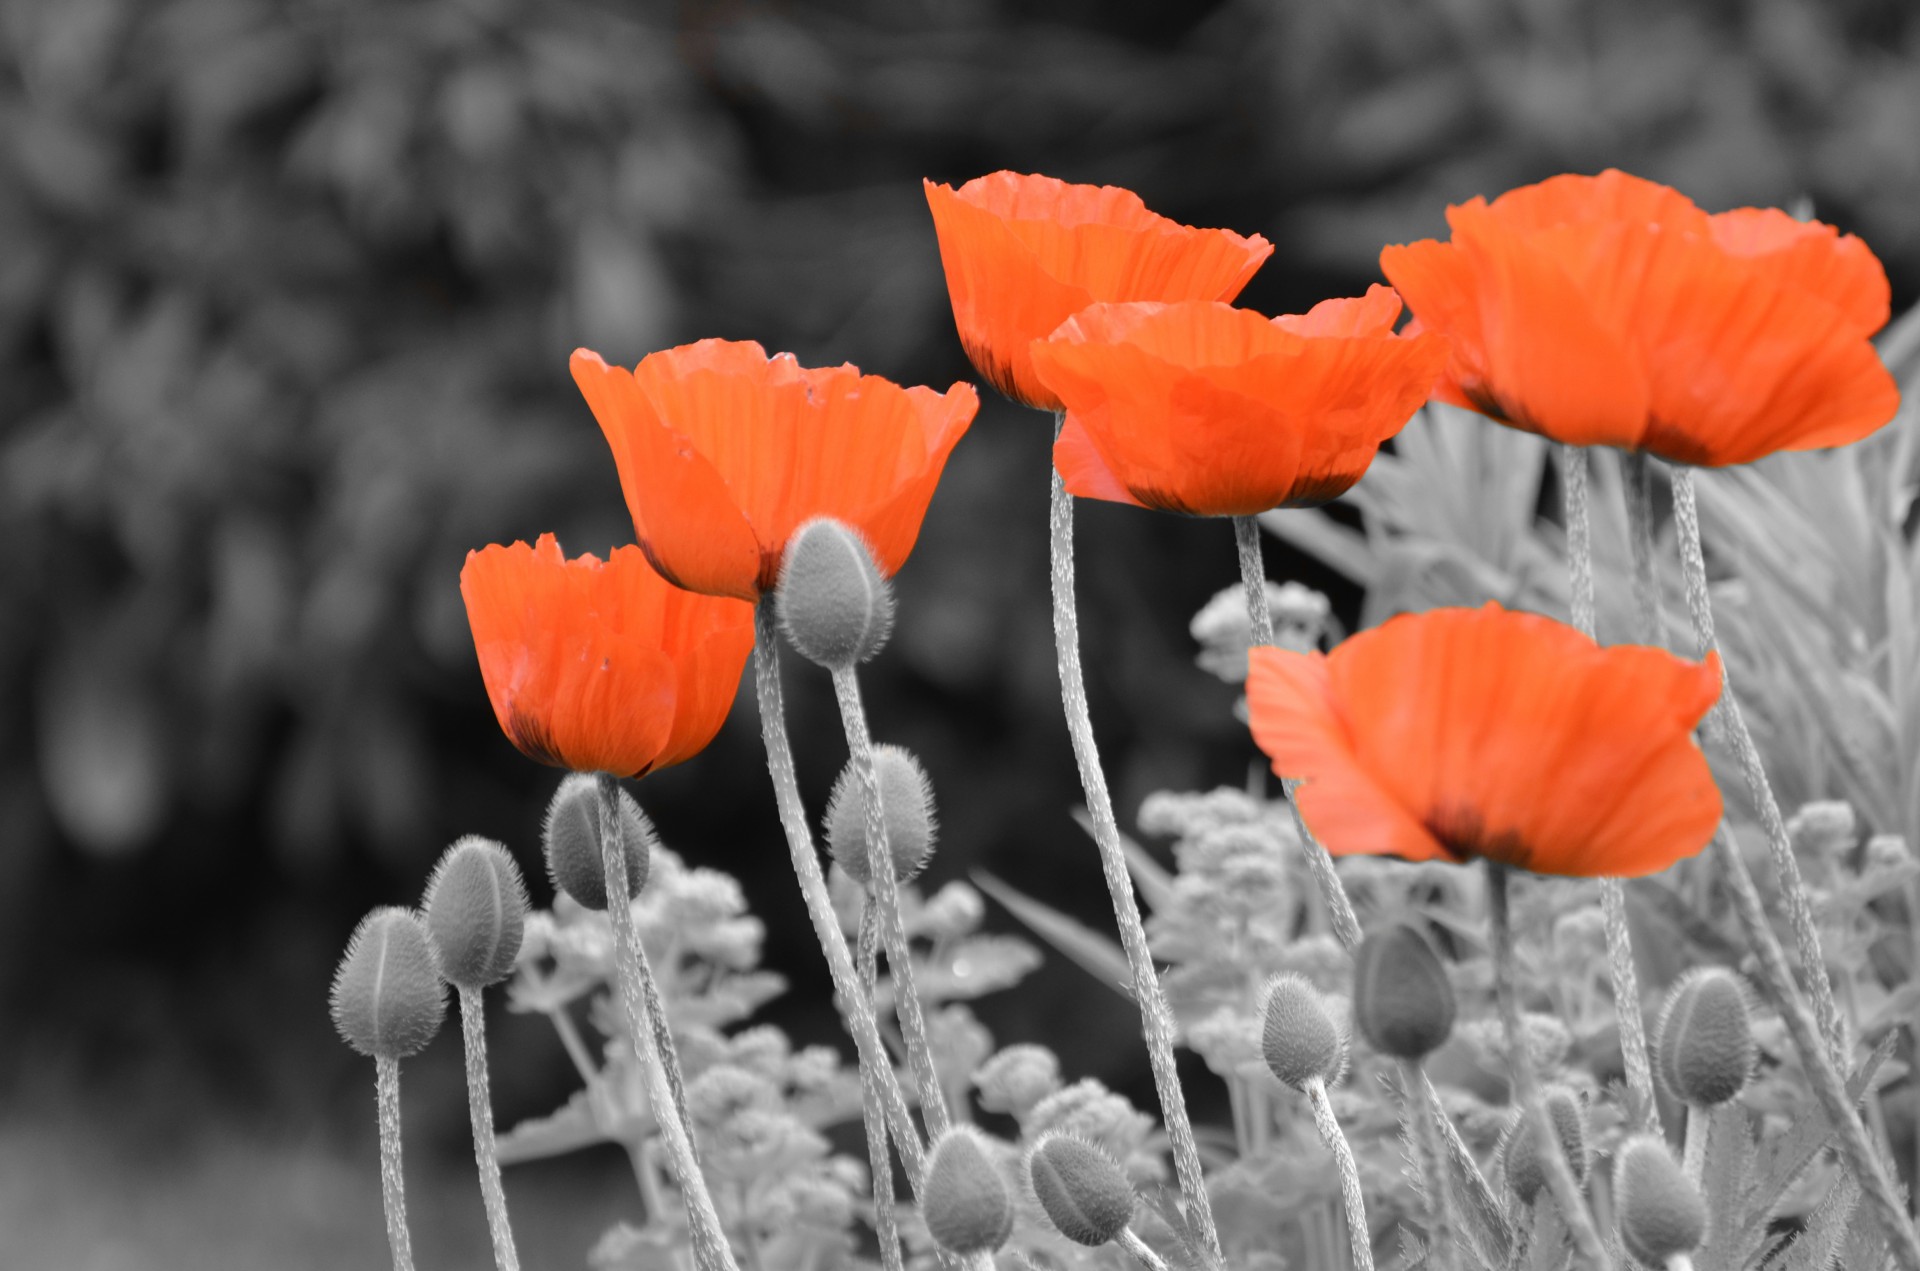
1253,580
393,1190
1574,491
876,1064
473,1032
1806,937
1637,471
1693,1157
1139,1250
653,1047
1433,1166
1358,1234
1155,1016
885,892
1526,1088
885,1225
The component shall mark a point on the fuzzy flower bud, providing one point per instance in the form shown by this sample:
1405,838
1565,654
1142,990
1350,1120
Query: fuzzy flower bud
387,999
572,838
1301,1038
1083,1191
835,606
906,804
967,1204
1402,998
476,911
1526,1169
1706,1050
1660,1211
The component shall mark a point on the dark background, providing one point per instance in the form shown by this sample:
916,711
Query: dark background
286,298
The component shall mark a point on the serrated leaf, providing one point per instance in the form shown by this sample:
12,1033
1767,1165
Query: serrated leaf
1794,1150
1814,1247
1547,1248
1098,955
567,1129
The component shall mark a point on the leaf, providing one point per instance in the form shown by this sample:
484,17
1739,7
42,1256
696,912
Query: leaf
1733,1240
568,1129
974,967
1794,1150
1814,1248
1098,955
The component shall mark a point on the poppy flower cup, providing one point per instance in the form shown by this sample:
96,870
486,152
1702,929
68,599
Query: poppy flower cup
1459,733
724,452
1023,254
1210,410
1611,311
601,666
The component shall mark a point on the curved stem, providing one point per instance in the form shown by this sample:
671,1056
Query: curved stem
1155,1016
875,1063
884,1224
1324,1121
653,1047
473,1033
393,1191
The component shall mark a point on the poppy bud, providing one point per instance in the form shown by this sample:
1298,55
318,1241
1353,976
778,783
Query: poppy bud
835,606
387,999
1706,1049
967,1204
1526,1170
572,837
1300,1038
1660,1211
1084,1192
476,912
906,803
1402,998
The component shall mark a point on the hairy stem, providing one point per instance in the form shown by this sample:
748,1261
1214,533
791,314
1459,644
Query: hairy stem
1693,1157
884,1224
1636,470
1526,1088
1138,1250
1253,579
473,1032
1433,1166
876,1065
1324,1121
1574,490
1155,1016
393,1190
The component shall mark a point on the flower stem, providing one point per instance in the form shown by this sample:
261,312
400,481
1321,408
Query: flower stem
1733,726
392,1188
1155,1016
1139,1251
885,899
1693,1158
1324,1121
653,1046
1433,1165
473,1032
875,1063
1573,489
884,1224
1637,469
1253,580
1560,1179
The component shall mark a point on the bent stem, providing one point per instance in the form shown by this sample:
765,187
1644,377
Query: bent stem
393,1192
873,1112
1733,726
875,1064
1330,1133
473,1032
885,903
1566,1189
1155,1017
653,1046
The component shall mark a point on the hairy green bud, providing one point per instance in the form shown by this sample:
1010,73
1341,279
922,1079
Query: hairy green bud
906,805
1402,998
967,1204
1660,1212
572,839
1705,1049
1301,1039
476,912
387,998
1526,1167
835,606
1082,1190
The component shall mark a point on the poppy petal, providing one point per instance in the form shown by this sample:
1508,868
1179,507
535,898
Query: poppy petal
1083,469
1371,314
1612,197
1812,257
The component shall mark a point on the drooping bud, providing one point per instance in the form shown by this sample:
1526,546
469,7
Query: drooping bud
1083,1191
835,606
1705,1049
476,912
1300,1037
906,803
1526,1167
967,1204
387,998
1660,1211
572,838
1402,998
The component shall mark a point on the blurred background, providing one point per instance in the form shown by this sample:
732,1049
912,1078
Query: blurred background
286,297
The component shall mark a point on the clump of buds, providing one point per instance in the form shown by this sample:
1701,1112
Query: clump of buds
1705,1049
1402,999
1526,1167
572,840
967,1204
1300,1037
388,999
906,803
835,606
1082,1190
476,912
1661,1213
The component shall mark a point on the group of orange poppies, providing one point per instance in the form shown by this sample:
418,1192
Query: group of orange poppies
1604,310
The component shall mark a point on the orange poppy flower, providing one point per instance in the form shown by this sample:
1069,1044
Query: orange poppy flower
1478,732
1025,253
1611,311
601,667
1210,410
724,452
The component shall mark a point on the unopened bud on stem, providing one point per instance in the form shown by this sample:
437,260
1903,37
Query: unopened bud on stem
572,838
1402,999
1661,1213
906,800
967,1204
1083,1191
476,912
835,606
1526,1168
1705,1049
1300,1037
388,1000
